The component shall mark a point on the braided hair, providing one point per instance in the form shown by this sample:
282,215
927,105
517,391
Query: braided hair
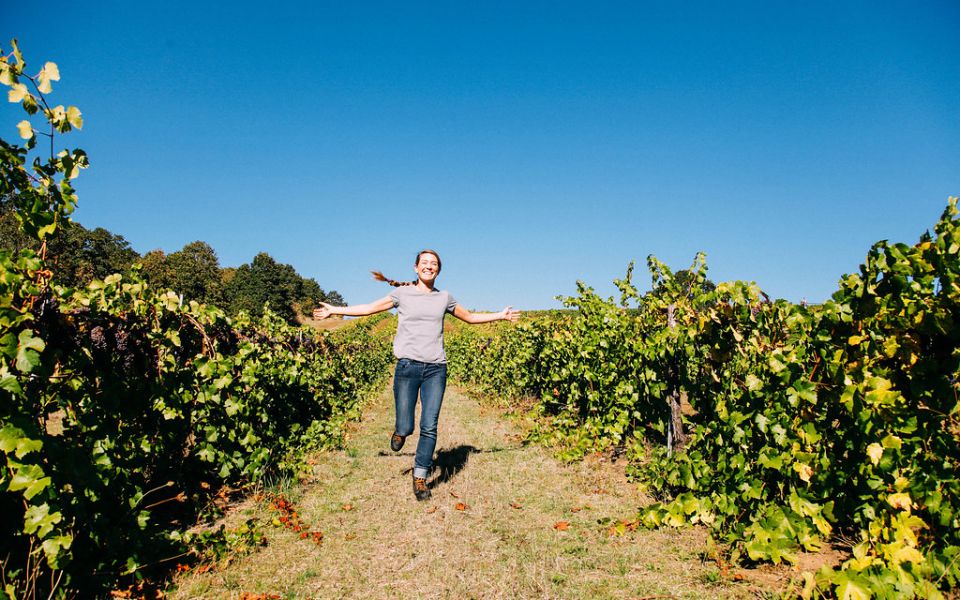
381,277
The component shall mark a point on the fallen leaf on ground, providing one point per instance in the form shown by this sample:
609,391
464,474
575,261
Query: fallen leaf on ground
516,505
561,525
430,511
347,507
461,506
350,536
576,509
621,527
454,494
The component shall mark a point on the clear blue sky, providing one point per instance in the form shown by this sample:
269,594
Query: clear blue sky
531,144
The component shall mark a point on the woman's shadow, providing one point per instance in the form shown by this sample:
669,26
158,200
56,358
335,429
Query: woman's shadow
451,461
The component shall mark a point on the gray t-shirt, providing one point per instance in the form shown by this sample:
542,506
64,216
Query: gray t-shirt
420,326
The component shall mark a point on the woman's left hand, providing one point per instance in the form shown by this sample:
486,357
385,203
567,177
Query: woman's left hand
508,314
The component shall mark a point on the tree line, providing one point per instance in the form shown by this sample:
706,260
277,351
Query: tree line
79,255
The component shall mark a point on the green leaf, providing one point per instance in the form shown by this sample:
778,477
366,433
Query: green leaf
14,440
802,390
39,521
28,351
851,586
53,549
17,54
29,478
10,383
892,441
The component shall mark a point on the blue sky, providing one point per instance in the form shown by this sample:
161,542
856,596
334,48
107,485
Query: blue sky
531,144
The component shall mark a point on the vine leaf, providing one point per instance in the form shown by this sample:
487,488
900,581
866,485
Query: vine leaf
28,351
15,441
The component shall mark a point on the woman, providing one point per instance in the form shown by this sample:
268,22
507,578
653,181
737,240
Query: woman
418,346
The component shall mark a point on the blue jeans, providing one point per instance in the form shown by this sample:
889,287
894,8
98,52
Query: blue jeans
430,380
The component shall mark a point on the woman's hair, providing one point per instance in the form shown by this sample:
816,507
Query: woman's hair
381,277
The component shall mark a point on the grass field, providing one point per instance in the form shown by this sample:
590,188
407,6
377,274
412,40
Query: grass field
506,520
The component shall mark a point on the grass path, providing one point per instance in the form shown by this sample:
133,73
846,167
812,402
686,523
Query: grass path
504,544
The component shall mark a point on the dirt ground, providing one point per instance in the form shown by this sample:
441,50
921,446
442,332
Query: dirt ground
506,520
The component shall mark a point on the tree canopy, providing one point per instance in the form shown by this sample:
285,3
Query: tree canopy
79,255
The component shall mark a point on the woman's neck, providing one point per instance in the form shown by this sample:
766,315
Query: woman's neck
424,286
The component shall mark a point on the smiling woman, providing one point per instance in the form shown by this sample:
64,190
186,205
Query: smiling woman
421,361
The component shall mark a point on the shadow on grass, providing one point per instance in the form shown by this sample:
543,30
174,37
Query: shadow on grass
450,461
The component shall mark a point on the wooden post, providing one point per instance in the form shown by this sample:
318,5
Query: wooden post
676,438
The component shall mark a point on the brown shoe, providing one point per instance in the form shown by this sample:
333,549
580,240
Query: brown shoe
420,489
396,442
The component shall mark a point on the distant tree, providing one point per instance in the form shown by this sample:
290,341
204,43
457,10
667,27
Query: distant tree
155,269
311,295
79,255
75,254
264,280
194,271
333,297
11,237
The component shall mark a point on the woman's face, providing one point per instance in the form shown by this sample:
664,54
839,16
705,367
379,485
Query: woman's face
427,267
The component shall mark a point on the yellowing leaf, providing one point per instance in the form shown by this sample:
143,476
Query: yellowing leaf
900,501
59,113
52,71
803,470
892,441
26,131
875,452
854,340
49,73
6,74
907,554
17,93
852,590
73,116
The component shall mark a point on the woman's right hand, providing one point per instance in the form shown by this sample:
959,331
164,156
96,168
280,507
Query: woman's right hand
323,312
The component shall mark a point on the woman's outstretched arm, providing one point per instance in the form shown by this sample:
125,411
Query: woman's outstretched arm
507,314
358,310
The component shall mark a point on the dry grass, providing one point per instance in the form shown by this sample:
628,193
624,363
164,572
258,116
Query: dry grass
328,324
503,545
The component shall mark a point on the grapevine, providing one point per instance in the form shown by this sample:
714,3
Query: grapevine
807,425
124,410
